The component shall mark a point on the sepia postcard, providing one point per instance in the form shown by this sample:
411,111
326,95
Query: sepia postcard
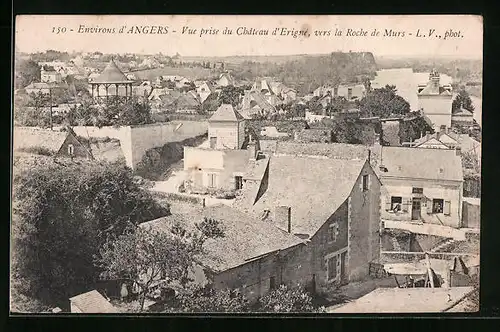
246,164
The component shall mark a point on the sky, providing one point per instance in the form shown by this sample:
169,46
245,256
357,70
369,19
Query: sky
35,33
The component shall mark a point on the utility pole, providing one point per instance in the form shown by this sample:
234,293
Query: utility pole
50,100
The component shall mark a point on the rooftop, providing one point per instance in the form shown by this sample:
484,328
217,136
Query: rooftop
421,163
93,302
406,300
226,112
314,188
245,237
111,74
329,150
26,137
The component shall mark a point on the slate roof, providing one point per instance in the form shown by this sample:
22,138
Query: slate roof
226,112
314,188
330,150
93,302
258,99
111,74
421,163
244,238
26,137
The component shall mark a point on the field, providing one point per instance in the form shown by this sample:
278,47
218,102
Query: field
190,73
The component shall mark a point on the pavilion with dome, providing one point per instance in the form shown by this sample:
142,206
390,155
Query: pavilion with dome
111,82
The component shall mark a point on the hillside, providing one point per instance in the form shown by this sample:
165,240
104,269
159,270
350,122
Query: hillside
306,73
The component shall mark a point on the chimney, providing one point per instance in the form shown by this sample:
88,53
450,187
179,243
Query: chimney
427,135
252,148
458,151
283,216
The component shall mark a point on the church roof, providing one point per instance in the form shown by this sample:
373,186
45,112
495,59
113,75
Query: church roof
111,74
226,112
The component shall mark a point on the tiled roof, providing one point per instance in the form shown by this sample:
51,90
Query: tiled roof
313,187
421,163
111,74
226,112
26,137
93,302
244,237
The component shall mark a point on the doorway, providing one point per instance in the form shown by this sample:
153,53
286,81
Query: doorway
213,142
416,207
343,276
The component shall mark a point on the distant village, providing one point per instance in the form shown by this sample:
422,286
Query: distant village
355,190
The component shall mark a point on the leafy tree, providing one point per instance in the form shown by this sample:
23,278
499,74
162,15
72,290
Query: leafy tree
154,259
462,100
211,104
470,161
149,258
384,102
230,95
134,113
64,213
285,299
27,71
413,129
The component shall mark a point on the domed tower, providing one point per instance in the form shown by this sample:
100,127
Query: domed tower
111,82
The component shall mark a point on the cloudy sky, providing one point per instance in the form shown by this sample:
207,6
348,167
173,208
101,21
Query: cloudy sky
38,33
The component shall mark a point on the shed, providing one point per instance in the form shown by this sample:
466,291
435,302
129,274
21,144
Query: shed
91,302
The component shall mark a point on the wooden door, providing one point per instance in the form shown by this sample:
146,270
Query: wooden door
416,207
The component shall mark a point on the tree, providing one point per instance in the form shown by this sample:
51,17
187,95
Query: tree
27,71
285,299
153,258
134,112
64,213
411,130
462,100
230,95
384,102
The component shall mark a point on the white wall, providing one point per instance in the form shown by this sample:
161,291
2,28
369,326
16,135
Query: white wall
432,190
437,109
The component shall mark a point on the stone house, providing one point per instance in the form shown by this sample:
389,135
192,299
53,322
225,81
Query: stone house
221,162
58,143
251,255
421,185
435,100
332,202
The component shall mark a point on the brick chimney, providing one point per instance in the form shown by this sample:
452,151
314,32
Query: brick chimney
283,216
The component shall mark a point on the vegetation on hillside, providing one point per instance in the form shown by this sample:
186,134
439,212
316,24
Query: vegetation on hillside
62,214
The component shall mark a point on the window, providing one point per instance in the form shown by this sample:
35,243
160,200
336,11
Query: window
396,203
71,149
437,206
365,182
332,268
238,182
417,190
333,232
212,180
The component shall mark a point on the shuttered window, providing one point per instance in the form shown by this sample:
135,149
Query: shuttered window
447,208
405,204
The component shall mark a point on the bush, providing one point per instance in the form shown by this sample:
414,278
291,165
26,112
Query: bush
62,214
285,299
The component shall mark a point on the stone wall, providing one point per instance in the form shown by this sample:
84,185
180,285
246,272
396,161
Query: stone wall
136,140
